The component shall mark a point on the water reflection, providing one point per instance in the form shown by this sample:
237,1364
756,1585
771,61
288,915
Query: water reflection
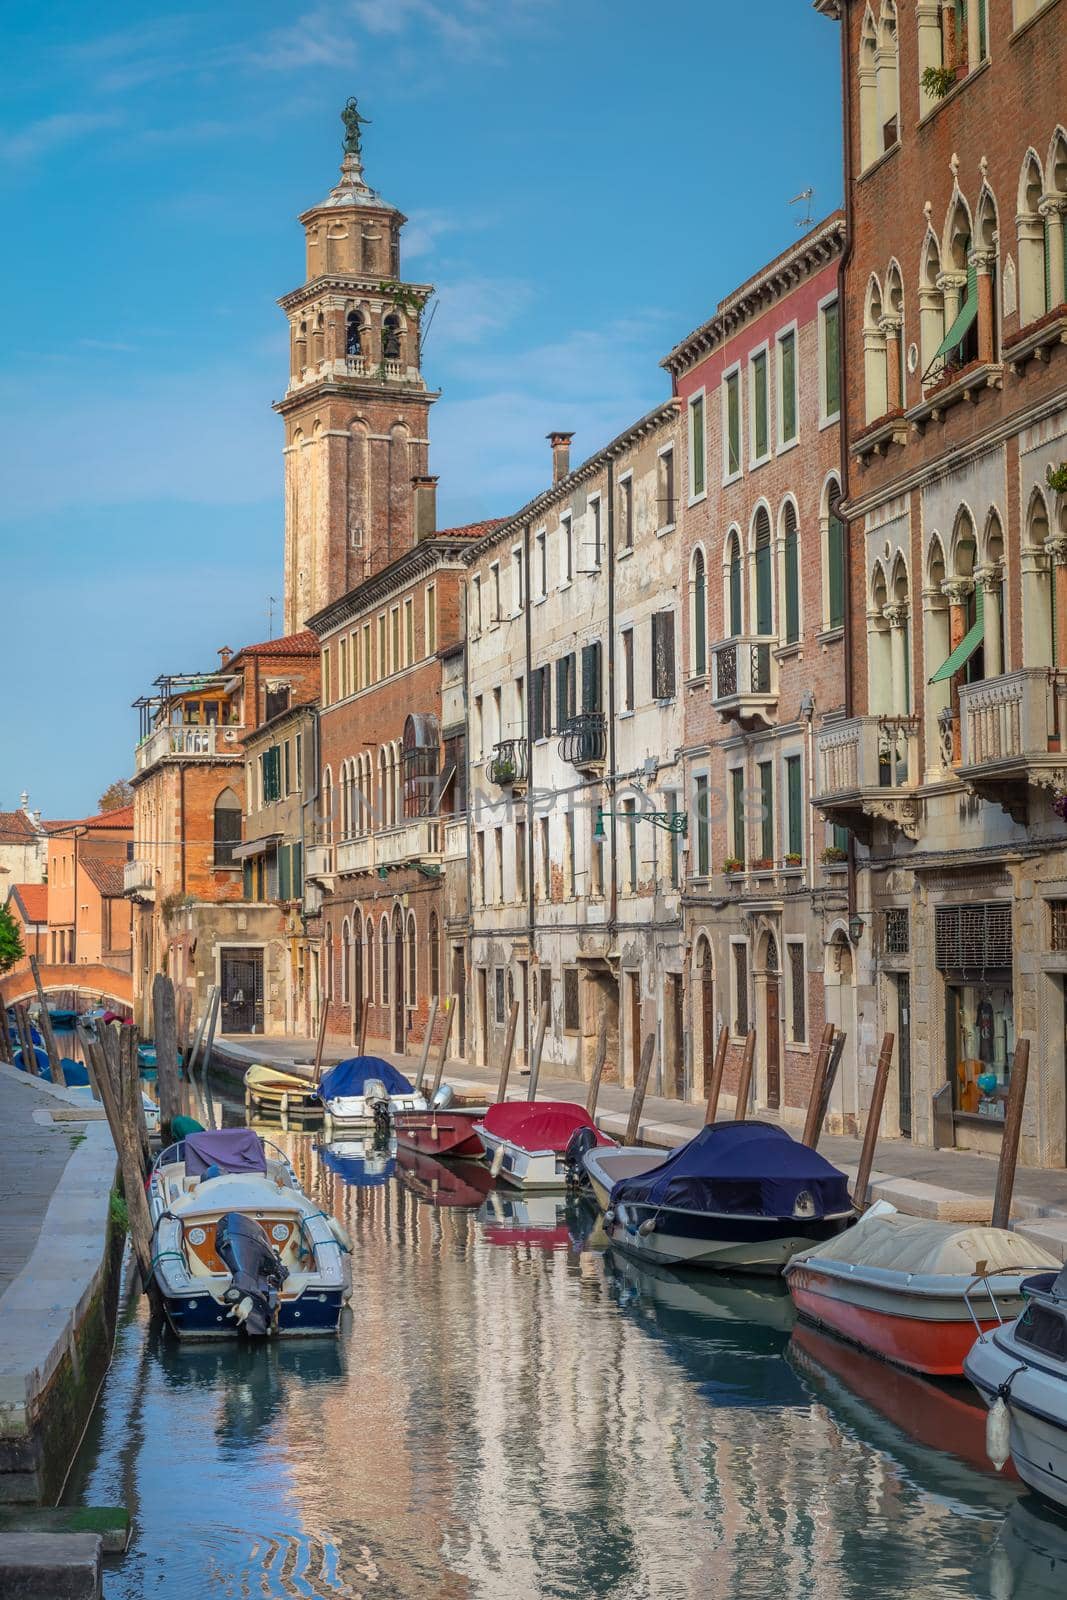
1029,1560
511,1414
364,1163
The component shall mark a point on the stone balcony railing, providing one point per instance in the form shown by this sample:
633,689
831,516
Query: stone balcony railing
455,839
319,861
138,877
418,839
867,770
355,855
744,680
189,742
1011,735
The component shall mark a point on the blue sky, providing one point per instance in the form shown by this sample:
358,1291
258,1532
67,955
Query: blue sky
583,178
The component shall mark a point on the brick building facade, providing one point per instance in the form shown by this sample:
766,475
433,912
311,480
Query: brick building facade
955,412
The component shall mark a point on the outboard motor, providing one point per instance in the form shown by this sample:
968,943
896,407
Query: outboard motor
243,1247
377,1097
581,1140
443,1097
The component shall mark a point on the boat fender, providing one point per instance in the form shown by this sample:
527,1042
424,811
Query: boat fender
647,1227
498,1161
998,1432
622,1216
241,1310
340,1233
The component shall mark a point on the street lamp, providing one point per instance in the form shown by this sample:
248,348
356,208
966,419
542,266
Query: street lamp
855,927
669,821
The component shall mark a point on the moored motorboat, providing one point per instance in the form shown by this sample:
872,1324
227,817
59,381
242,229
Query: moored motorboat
526,1141
1020,1370
352,1090
914,1291
603,1166
237,1245
740,1196
447,1132
282,1091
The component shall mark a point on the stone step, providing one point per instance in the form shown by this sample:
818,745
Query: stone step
111,1523
50,1566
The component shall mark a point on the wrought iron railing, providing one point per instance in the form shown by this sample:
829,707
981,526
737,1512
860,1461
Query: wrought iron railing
584,739
508,764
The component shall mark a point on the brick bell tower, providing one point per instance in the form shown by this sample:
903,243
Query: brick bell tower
356,411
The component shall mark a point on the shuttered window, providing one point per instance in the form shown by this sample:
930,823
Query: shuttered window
787,371
764,605
735,588
733,424
700,616
591,676
737,811
696,445
766,792
663,655
798,1029
285,873
835,561
760,425
540,703
973,938
740,990
566,690
794,807
831,356
571,1007
792,576
703,822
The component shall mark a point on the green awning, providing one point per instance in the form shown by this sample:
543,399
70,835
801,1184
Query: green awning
967,645
967,313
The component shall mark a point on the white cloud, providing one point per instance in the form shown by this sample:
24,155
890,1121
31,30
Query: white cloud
49,133
471,309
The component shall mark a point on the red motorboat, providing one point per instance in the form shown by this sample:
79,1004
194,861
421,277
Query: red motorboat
441,1133
438,1184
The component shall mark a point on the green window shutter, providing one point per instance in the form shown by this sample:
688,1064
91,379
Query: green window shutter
298,870
737,810
763,587
840,837
832,358
591,677
696,446
983,45
1048,264
561,689
966,314
284,873
733,425
759,403
789,388
967,645
247,865
794,802
700,609
735,594
835,556
702,821
537,706
792,587
766,794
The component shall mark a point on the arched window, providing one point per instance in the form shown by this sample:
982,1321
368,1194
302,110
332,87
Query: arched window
421,764
383,940
931,303
888,107
435,957
964,561
764,583
874,364
698,588
391,337
879,666
227,828
986,235
836,554
1040,629
734,586
1056,223
368,945
959,280
936,647
413,961
353,334
398,780
1033,297
870,145
327,805
991,577
791,565
346,961
893,325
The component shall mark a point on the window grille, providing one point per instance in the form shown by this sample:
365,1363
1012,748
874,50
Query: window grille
570,1000
798,1010
498,991
973,937
1058,910
897,931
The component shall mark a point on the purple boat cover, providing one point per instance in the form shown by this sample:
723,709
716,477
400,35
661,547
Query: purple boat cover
232,1149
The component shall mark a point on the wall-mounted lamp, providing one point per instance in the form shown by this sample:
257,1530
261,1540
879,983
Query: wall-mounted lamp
855,927
669,821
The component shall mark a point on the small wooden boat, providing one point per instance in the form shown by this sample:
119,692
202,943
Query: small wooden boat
282,1091
526,1141
739,1197
352,1090
437,1133
237,1246
437,1183
913,1291
1020,1370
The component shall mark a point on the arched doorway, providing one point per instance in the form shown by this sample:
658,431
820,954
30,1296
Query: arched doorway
839,988
398,981
773,1021
705,996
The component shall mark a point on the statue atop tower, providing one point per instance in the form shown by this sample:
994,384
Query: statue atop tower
353,142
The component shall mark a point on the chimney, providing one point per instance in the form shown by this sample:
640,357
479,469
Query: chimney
425,492
224,655
561,454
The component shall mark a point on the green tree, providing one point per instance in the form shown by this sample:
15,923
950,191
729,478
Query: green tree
116,795
10,940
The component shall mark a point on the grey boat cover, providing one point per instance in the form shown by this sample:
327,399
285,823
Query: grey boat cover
229,1149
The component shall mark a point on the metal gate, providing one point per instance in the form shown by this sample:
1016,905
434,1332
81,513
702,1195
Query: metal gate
242,991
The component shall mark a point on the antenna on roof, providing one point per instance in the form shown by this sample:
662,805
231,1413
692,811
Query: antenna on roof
806,196
272,601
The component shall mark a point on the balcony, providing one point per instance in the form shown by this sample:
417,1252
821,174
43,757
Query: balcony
139,878
584,740
319,862
455,839
354,366
416,840
868,771
189,742
1011,737
508,765
355,855
745,681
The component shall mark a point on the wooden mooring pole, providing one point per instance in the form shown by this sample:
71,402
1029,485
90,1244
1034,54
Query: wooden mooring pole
421,1076
637,1104
718,1067
115,1068
509,1050
46,1028
744,1082
1013,1127
442,1055
538,1046
165,1034
598,1063
813,1122
874,1119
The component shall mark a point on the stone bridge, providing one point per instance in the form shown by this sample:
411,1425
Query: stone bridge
87,983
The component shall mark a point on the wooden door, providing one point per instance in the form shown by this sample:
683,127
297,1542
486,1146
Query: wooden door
634,981
774,1064
675,1073
459,987
707,1017
904,1052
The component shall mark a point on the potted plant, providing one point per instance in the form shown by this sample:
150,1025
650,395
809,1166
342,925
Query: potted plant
793,858
762,864
503,770
833,856
937,81
733,864
1056,478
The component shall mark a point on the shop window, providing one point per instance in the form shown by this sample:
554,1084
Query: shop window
973,948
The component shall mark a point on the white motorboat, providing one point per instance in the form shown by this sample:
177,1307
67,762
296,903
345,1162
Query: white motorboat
605,1165
237,1246
526,1142
1020,1370
365,1089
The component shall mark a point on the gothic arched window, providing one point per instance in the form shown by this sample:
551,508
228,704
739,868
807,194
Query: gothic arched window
791,560
764,582
227,827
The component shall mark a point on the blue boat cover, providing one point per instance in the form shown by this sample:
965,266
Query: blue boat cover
348,1078
230,1149
740,1168
359,1172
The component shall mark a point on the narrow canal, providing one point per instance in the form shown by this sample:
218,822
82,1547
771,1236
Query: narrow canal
511,1413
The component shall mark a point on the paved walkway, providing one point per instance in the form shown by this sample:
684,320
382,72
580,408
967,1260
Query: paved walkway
33,1155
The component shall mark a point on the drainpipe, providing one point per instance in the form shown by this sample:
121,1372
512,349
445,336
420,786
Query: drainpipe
181,824
614,905
842,343
531,903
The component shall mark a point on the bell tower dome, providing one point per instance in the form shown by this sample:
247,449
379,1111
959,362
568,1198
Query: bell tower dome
356,410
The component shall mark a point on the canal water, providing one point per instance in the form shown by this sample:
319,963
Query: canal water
511,1413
